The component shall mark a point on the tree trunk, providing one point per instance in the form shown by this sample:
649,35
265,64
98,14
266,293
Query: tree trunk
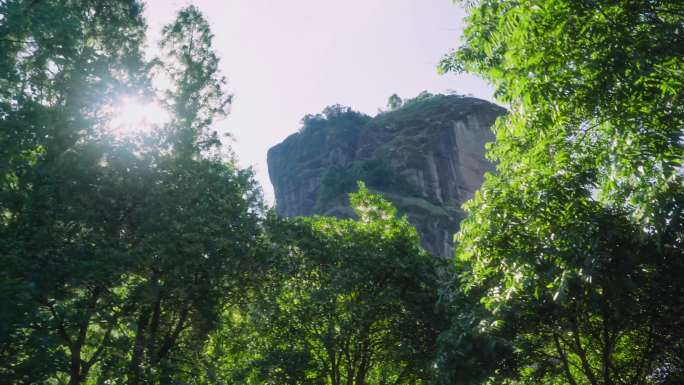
138,349
75,366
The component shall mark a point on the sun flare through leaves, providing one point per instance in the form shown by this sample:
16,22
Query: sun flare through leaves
133,115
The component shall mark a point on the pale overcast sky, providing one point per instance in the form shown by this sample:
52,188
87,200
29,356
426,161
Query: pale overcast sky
287,58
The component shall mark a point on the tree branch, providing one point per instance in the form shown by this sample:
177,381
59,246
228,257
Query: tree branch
587,369
170,339
60,325
564,360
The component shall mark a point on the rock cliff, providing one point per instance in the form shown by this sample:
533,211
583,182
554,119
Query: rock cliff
427,157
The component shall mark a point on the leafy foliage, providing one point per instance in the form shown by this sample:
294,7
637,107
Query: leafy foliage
132,259
150,260
574,247
338,181
346,302
334,117
197,96
118,254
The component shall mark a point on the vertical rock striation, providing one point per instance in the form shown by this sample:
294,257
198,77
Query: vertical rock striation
427,157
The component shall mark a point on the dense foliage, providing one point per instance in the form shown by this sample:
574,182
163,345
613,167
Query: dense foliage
571,256
344,302
148,258
129,256
118,253
338,181
335,117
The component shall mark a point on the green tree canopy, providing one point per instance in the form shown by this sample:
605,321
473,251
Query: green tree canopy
118,254
347,302
574,246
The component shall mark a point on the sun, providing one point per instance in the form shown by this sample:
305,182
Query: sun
133,115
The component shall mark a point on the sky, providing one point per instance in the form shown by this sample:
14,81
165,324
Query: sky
285,59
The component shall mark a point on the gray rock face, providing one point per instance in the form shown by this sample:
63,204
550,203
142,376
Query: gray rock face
426,157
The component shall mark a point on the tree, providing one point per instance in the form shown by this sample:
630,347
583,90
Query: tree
61,63
197,96
118,253
394,102
196,236
197,228
348,302
574,246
